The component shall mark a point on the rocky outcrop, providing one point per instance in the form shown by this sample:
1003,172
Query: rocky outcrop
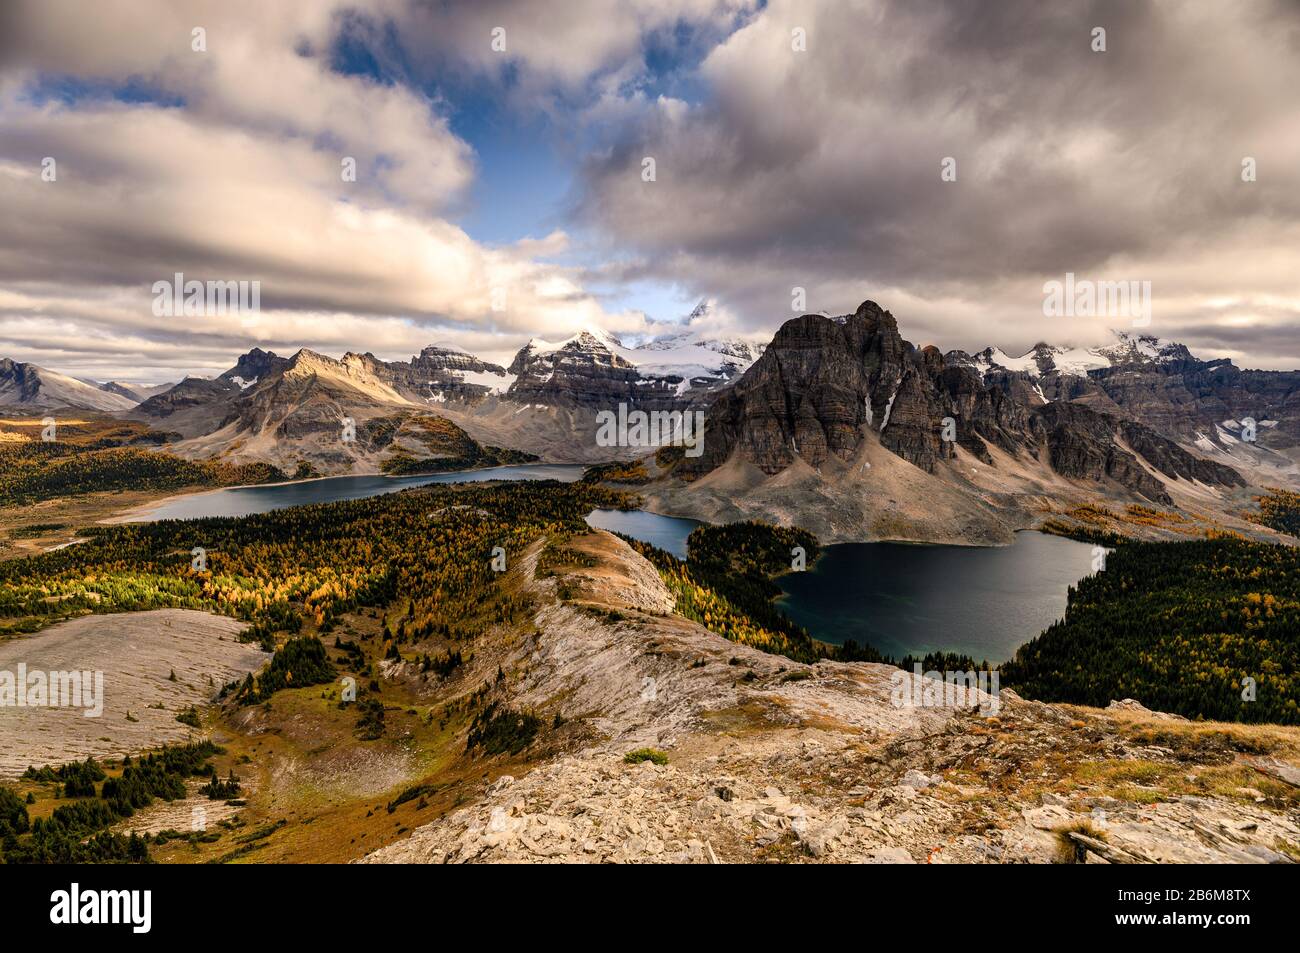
1081,444
824,384
818,384
771,760
257,365
1134,706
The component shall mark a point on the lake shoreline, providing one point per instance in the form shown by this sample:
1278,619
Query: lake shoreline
139,512
904,599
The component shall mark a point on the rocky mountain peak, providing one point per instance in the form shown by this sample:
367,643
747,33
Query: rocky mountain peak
876,317
366,363
442,354
443,372
254,366
132,391
824,387
1132,348
594,369
37,388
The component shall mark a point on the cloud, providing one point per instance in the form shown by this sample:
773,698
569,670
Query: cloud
821,169
544,51
775,169
227,164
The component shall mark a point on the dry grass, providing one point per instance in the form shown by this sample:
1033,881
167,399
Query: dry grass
1070,851
1166,759
320,794
1137,522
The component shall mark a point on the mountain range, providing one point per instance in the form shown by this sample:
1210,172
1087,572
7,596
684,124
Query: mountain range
839,423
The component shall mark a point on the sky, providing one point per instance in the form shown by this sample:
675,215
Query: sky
944,158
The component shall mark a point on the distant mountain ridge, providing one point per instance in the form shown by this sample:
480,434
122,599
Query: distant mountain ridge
1160,383
1133,415
35,388
279,409
846,429
1044,359
822,383
134,392
593,368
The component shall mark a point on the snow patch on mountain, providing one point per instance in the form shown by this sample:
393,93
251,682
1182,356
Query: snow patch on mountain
495,383
1043,359
689,355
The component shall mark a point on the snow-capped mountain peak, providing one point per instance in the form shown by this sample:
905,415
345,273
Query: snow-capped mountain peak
1043,358
35,387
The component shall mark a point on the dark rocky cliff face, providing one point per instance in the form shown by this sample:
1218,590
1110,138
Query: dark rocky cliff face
1191,396
817,384
584,372
1081,444
191,392
1160,384
822,383
1173,461
255,366
435,374
21,382
994,409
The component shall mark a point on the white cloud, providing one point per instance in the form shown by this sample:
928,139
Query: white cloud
774,169
241,182
821,169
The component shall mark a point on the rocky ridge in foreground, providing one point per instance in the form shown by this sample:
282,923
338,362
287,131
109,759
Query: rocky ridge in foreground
774,760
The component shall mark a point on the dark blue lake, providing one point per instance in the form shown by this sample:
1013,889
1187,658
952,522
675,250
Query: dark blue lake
902,598
666,532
